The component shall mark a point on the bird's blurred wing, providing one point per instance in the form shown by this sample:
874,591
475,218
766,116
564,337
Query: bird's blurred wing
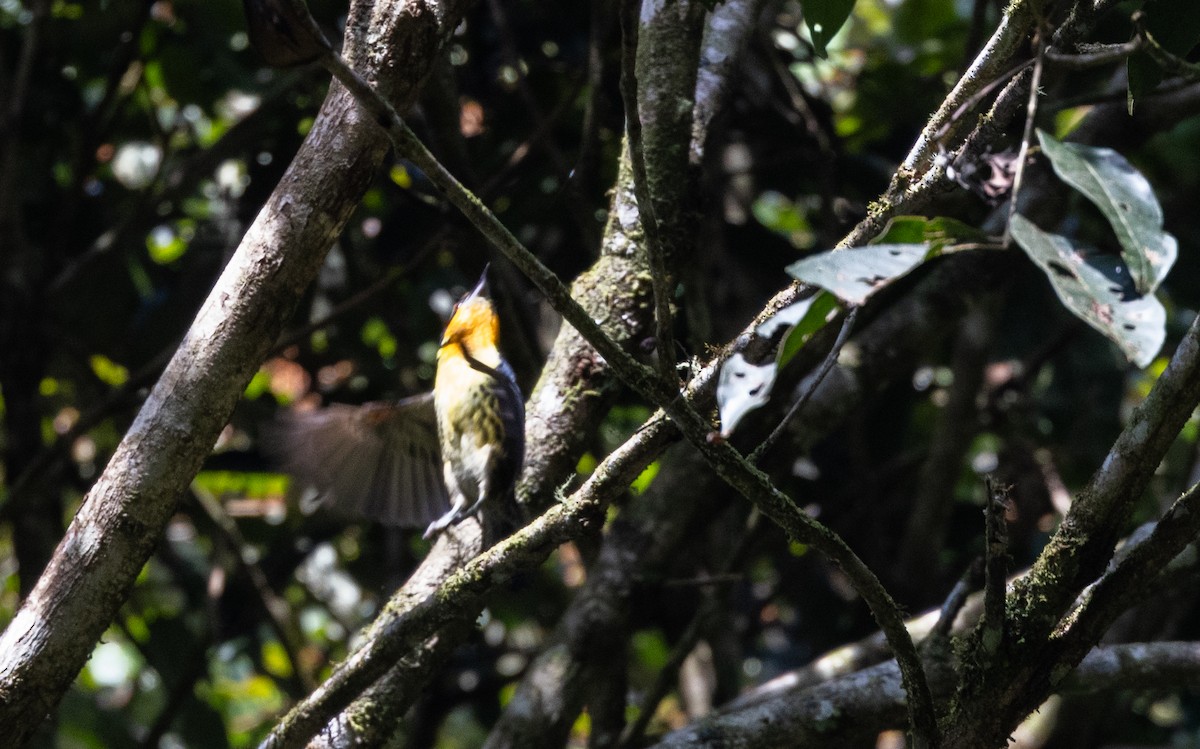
378,460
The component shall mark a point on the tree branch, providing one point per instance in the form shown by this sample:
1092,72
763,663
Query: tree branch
851,710
1000,691
409,620
122,519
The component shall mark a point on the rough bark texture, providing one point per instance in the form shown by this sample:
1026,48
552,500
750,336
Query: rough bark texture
644,540
552,692
851,711
372,718
1003,689
618,290
573,391
122,518
409,620
575,386
465,590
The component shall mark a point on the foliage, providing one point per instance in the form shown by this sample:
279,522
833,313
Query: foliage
146,136
1091,285
1126,199
824,19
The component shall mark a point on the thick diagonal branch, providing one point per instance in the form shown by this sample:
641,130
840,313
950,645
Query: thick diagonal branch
123,517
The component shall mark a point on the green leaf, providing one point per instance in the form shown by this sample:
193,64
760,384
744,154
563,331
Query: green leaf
825,18
817,313
939,232
854,275
645,478
1092,287
108,371
1126,199
742,386
781,215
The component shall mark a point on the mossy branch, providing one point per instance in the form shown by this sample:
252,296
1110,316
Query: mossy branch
409,146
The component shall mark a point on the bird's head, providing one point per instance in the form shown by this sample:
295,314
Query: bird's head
473,325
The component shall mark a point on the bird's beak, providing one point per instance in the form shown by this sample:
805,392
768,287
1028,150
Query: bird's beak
479,292
481,288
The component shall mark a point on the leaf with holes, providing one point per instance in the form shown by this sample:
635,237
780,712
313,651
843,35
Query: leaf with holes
741,388
1097,291
1125,198
854,275
825,18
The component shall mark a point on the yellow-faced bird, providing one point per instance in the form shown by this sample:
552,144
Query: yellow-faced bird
429,460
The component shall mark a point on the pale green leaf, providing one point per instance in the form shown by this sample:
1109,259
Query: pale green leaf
938,232
1095,290
854,275
1126,199
741,388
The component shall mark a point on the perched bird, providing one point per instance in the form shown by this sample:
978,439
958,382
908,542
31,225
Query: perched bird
430,460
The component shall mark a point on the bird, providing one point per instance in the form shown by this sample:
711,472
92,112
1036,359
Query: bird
428,460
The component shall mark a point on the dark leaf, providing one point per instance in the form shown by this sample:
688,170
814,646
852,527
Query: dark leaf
825,18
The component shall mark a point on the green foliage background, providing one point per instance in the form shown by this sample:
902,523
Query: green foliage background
149,137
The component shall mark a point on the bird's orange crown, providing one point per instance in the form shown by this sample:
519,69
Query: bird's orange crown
474,325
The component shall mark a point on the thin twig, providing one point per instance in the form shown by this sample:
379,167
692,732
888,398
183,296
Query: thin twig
995,571
1027,136
409,146
279,613
1008,38
827,164
1133,577
1169,62
702,581
974,99
396,272
1093,56
826,365
956,599
730,464
634,731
